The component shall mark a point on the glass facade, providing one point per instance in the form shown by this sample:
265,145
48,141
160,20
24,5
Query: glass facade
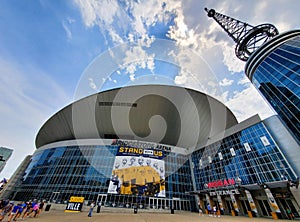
247,158
245,173
5,154
250,155
58,173
278,79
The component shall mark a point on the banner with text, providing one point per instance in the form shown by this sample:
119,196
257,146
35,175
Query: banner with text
138,171
74,204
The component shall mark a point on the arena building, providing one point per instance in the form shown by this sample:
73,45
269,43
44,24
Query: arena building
274,69
163,147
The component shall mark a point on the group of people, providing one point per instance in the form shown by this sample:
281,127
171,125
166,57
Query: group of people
212,211
20,210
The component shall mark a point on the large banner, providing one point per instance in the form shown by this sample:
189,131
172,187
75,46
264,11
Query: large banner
251,201
272,201
138,171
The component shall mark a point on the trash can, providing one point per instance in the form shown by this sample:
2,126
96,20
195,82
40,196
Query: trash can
172,210
135,209
47,208
98,208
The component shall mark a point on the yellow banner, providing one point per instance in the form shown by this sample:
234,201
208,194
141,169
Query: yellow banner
76,199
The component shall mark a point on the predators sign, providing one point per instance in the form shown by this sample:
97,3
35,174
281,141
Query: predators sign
138,171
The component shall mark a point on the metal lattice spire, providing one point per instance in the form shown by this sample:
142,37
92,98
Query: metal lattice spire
248,38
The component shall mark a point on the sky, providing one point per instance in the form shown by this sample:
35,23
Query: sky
54,52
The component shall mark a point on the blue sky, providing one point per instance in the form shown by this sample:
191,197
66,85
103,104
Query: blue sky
47,49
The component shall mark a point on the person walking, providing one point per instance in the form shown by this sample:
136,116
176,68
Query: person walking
27,210
14,211
290,214
208,207
6,210
22,208
41,206
200,210
214,211
91,209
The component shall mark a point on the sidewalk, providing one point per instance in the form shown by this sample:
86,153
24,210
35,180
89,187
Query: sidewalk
129,216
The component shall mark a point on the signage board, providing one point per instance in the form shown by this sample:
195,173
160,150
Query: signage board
221,183
74,204
138,171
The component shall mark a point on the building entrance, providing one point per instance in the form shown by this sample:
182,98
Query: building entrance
264,207
55,196
102,199
287,203
129,201
245,207
163,203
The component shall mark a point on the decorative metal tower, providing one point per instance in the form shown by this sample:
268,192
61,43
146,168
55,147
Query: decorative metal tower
248,38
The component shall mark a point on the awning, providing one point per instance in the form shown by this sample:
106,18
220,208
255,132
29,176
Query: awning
277,184
271,185
254,186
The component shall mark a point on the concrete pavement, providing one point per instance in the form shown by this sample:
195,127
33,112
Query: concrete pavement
141,216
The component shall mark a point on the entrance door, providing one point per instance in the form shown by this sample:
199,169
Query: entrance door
285,204
55,197
265,207
102,199
245,206
229,206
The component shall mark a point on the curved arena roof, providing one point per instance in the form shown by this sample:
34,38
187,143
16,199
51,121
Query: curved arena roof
156,113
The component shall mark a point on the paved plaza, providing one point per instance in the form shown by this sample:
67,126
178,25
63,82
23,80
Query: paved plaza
143,216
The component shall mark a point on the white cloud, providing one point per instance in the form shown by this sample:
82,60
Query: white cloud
67,30
132,77
92,84
113,16
182,78
181,33
27,101
233,64
136,58
247,103
244,80
192,29
226,82
113,20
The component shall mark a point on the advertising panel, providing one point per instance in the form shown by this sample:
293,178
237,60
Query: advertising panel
251,201
74,204
138,171
235,206
272,201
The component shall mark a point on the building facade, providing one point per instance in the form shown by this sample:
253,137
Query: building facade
274,69
15,180
239,167
5,154
81,149
247,173
273,64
